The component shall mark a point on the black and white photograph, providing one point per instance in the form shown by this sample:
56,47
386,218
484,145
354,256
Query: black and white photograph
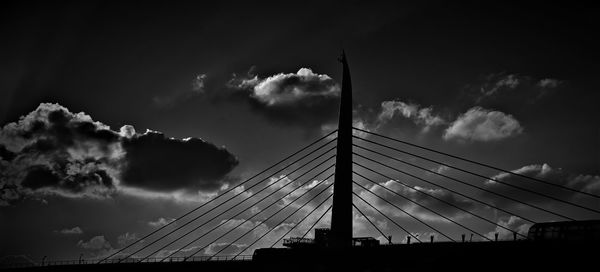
299,136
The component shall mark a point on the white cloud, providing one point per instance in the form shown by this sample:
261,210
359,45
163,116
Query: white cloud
441,169
290,88
75,230
126,239
97,246
542,171
507,81
553,175
224,249
419,115
513,223
417,197
160,222
479,124
586,183
548,83
198,83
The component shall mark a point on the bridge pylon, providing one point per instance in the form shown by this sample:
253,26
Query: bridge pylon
341,214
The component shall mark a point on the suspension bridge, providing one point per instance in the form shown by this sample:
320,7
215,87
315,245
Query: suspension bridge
356,169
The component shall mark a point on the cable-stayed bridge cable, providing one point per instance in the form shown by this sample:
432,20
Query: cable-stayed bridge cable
242,211
405,212
471,173
302,206
369,220
258,192
440,186
301,220
429,209
468,184
437,198
239,203
480,163
220,195
272,215
388,218
223,235
319,219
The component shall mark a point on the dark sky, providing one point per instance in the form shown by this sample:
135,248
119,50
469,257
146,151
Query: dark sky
117,114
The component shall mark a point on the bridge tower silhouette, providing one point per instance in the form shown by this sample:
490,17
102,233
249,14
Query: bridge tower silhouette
341,213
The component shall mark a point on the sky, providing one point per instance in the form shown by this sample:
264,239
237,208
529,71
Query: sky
117,117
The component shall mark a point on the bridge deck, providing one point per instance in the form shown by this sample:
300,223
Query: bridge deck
475,256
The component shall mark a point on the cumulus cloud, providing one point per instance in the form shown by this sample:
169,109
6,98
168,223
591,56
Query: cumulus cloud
97,246
75,230
392,114
58,152
52,151
422,116
303,98
158,163
479,124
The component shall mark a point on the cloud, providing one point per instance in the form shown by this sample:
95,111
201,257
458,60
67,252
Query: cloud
585,183
422,116
97,246
157,163
392,114
227,249
511,87
54,152
198,87
60,153
75,230
224,248
479,124
498,82
440,169
514,223
198,83
160,222
304,98
417,197
244,225
558,176
548,83
126,239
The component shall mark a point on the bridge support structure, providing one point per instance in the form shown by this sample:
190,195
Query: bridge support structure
341,214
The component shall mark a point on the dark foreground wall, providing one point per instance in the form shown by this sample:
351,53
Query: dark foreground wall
482,256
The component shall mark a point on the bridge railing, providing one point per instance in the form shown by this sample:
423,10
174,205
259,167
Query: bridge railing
128,260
